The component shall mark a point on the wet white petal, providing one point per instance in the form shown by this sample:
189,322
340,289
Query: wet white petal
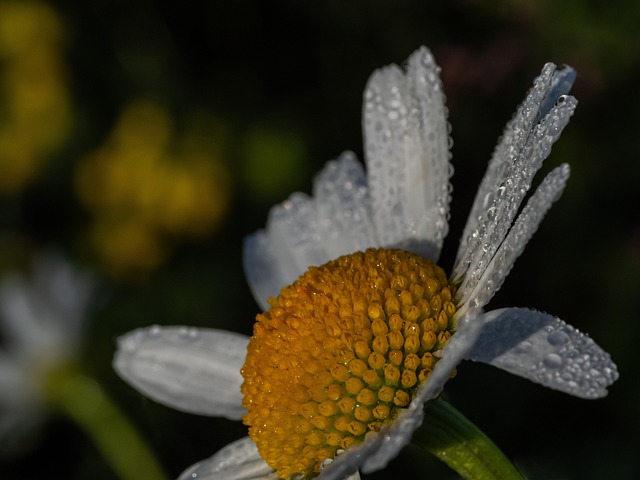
523,229
292,229
545,350
407,155
306,231
343,207
239,460
525,144
190,369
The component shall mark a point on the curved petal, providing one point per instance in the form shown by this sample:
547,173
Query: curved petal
545,350
239,460
306,231
193,370
261,269
407,155
523,229
525,144
343,207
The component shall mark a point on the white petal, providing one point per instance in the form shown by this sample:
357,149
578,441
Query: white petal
343,208
525,144
545,350
523,229
407,155
193,370
239,460
261,268
306,231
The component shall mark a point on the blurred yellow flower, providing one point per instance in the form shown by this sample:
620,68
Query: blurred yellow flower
35,105
148,185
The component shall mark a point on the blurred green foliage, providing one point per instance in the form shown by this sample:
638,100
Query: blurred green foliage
283,81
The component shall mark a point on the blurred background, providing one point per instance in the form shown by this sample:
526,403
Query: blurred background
142,140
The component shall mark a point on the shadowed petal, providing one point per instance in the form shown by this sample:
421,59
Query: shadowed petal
305,231
343,207
239,460
193,370
544,349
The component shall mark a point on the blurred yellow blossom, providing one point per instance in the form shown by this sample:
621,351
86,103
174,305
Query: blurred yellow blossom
149,184
35,105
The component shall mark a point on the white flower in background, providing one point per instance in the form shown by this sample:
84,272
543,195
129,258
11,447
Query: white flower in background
344,358
41,317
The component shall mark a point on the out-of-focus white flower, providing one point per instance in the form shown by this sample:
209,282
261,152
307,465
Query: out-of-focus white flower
305,372
41,318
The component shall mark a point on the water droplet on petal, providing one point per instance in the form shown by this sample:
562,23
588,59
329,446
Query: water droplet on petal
552,360
557,338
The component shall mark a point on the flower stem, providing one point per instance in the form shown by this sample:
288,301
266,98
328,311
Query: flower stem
451,437
85,402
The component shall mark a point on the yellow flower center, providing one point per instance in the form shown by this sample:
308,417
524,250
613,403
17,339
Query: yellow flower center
340,353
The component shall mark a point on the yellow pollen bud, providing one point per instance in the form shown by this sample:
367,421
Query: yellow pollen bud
356,428
396,340
346,405
395,321
340,353
366,397
328,408
392,307
391,375
362,413
340,373
395,357
362,349
371,377
381,412
379,327
354,385
401,398
377,361
386,393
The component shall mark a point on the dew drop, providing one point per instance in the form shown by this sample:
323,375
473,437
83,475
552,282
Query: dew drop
524,347
557,338
189,333
552,360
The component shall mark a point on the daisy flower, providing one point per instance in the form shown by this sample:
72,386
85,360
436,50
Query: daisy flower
352,345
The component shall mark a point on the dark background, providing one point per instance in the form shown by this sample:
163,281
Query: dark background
283,82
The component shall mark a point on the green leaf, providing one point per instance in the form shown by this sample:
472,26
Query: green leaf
451,437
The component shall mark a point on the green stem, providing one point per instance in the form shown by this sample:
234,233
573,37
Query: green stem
85,402
451,437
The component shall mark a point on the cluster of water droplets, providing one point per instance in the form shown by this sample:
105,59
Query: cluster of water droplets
407,146
485,257
544,349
